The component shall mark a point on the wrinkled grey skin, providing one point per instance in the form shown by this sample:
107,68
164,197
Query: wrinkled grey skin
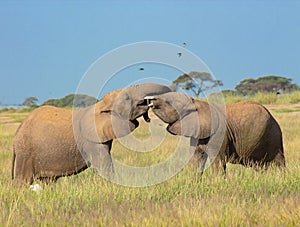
96,127
246,133
51,142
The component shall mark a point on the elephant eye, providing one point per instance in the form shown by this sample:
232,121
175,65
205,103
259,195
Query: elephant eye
105,111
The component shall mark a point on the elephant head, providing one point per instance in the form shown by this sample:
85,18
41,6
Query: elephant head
130,104
185,116
115,114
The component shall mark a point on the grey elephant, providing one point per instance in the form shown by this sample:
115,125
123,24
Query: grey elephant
53,142
243,133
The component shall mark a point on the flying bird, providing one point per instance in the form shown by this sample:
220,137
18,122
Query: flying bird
179,54
141,69
184,44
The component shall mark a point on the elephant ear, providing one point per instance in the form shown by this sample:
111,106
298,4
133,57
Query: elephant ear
110,126
200,123
105,126
107,102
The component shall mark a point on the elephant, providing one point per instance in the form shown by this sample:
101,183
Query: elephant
53,142
242,133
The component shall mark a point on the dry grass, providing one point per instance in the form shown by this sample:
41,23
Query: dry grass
266,98
244,198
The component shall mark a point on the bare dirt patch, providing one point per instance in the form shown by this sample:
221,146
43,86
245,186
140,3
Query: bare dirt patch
7,120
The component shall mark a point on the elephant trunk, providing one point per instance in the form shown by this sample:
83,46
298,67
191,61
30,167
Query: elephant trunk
146,117
164,111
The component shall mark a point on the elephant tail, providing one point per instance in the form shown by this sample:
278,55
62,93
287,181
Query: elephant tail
13,163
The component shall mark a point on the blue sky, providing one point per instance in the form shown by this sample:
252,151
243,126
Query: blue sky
47,46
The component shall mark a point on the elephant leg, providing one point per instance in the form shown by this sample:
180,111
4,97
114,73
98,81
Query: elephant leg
201,159
202,162
101,160
108,168
218,165
199,152
279,159
217,155
24,169
193,146
217,161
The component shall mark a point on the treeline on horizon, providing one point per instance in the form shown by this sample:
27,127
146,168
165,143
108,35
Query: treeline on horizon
68,101
265,90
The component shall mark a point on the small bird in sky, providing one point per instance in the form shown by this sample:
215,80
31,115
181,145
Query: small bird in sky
179,54
141,69
184,44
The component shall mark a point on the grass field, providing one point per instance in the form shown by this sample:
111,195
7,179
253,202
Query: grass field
244,198
265,98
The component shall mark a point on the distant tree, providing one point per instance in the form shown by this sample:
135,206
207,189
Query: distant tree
270,83
30,101
67,101
197,82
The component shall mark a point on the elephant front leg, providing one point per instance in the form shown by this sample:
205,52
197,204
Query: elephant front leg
218,165
202,162
201,158
216,150
199,152
106,165
101,160
217,160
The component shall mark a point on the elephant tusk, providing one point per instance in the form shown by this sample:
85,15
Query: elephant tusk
151,104
149,97
148,100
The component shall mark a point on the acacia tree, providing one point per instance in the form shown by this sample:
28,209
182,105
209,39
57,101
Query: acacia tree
30,101
197,82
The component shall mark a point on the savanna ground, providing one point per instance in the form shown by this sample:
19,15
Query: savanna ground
246,197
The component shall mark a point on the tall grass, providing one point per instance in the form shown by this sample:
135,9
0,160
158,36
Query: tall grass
246,197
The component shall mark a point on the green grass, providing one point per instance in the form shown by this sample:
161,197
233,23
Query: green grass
246,197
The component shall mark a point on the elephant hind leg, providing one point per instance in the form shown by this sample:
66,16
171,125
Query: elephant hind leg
24,169
279,159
